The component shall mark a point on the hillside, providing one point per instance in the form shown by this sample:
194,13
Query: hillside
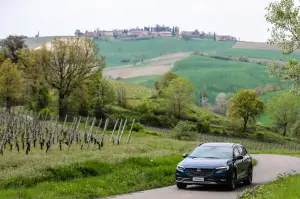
218,75
121,53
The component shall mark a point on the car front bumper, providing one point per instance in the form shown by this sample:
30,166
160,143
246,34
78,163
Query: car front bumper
214,179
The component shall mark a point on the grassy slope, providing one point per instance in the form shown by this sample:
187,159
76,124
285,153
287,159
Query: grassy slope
115,50
133,90
287,187
221,76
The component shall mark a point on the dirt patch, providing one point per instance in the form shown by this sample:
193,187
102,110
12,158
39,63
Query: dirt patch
257,46
156,66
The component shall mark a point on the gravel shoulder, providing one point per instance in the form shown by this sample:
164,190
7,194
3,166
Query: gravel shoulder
267,169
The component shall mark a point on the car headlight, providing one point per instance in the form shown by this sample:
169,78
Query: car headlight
180,168
222,168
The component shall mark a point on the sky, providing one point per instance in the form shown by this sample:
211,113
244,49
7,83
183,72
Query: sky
243,19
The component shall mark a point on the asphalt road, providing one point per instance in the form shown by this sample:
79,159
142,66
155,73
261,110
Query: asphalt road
267,169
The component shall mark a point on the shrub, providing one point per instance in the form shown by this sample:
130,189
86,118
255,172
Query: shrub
184,131
46,112
296,129
259,135
137,127
203,126
243,59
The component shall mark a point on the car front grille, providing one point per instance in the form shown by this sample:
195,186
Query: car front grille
196,172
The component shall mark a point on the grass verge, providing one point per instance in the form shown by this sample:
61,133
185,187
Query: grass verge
93,179
286,186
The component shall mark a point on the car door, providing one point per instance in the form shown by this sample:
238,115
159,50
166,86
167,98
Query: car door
237,163
244,162
247,160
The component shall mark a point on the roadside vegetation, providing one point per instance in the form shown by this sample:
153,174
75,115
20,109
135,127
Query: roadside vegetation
71,151
286,186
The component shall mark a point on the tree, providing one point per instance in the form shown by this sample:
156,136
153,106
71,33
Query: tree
164,82
180,94
221,102
37,91
13,43
102,93
67,63
10,83
245,105
284,110
284,16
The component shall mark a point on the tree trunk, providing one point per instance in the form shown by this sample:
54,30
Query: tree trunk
62,107
245,125
8,103
284,130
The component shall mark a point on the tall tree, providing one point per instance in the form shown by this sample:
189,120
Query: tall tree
180,94
10,83
13,43
284,16
245,105
67,63
284,110
164,81
102,93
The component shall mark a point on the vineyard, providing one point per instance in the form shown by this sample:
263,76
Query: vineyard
251,144
133,91
22,131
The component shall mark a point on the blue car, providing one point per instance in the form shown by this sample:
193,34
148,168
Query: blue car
215,164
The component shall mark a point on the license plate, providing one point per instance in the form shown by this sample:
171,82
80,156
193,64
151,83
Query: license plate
197,179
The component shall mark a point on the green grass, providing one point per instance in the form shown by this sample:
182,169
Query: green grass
222,76
148,162
283,187
218,75
146,81
116,50
133,90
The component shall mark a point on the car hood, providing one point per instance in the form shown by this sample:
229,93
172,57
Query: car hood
203,162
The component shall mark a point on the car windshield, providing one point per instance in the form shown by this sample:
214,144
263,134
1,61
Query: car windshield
217,152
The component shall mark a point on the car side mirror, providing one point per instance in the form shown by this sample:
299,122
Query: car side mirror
184,155
240,157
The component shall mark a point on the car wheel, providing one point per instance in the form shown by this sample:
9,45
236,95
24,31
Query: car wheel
248,181
231,182
181,185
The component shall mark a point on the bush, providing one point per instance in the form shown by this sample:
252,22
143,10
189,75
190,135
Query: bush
158,120
259,135
220,57
46,112
184,131
203,126
137,127
243,59
296,129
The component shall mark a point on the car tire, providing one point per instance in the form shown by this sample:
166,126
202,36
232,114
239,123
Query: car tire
181,185
248,181
231,181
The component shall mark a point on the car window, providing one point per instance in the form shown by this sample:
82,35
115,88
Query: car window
236,152
212,152
243,151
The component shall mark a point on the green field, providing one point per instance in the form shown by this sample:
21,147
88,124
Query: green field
218,75
116,50
133,90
